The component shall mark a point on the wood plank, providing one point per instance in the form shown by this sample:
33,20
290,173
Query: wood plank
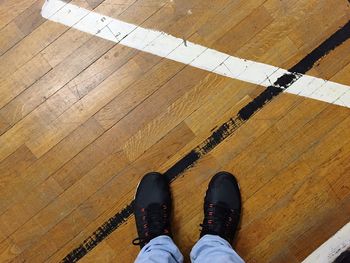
94,3
136,145
70,42
4,125
285,254
312,133
38,93
23,211
106,196
308,35
63,206
252,130
343,75
304,167
172,142
312,195
236,38
53,130
292,178
11,8
62,42
29,47
11,250
89,105
48,164
30,19
54,80
23,78
15,164
335,62
224,21
21,26
106,144
311,239
205,131
37,98
9,36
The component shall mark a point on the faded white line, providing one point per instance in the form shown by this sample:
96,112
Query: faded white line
173,48
332,248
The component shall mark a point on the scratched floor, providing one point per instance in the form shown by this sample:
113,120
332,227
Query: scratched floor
82,119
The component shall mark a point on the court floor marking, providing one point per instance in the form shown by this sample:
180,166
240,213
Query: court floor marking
332,248
164,45
220,134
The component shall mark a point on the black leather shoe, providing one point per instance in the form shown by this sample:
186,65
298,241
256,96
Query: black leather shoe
343,257
222,207
152,208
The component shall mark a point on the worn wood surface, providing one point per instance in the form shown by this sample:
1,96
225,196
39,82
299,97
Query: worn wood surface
83,119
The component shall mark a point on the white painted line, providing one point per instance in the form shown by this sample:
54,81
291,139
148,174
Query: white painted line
170,47
332,248
51,7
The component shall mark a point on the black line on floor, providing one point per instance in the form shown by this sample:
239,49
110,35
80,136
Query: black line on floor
218,136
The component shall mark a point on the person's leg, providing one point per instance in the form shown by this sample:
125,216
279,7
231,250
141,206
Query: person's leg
152,210
222,210
213,248
158,250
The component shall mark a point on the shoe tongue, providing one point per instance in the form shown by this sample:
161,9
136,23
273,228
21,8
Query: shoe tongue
154,206
222,204
157,225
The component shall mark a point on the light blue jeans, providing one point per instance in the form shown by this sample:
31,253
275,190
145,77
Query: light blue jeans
209,249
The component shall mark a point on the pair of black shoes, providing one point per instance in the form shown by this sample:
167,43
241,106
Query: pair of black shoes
152,207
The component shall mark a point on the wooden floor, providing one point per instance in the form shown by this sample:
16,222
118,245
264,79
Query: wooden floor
82,119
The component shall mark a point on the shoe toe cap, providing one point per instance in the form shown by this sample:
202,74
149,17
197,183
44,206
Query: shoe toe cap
224,188
153,188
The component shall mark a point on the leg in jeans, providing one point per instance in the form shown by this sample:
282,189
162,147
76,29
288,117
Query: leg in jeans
161,249
211,249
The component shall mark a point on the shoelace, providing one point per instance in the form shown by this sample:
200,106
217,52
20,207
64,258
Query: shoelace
220,220
154,223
